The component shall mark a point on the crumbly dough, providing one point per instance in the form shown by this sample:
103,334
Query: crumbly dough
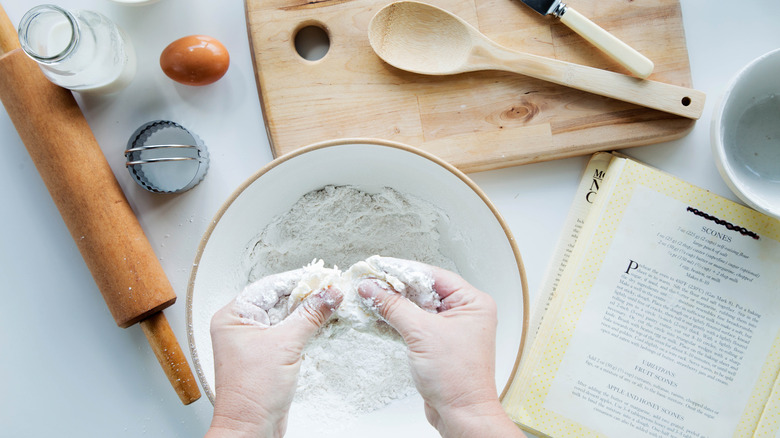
266,302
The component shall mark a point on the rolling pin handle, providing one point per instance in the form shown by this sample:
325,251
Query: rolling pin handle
171,357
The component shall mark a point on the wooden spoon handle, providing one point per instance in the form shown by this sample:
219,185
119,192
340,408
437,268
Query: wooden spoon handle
669,98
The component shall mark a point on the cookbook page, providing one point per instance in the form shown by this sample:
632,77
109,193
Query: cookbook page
584,197
672,326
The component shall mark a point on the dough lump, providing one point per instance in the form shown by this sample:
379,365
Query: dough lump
270,299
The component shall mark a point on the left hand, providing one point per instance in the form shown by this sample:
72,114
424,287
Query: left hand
257,365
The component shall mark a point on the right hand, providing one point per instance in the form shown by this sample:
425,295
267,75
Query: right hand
452,353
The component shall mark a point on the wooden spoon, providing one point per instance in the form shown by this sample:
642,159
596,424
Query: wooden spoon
421,38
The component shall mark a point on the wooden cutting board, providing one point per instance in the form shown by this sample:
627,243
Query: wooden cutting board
476,121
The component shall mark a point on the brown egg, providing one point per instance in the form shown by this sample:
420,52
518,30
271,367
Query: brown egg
195,60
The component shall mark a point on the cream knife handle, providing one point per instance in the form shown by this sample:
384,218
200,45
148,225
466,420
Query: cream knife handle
621,52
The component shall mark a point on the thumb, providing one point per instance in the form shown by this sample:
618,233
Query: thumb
315,310
398,311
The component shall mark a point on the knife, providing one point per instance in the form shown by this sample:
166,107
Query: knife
638,64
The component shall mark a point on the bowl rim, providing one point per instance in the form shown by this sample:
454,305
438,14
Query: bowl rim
725,168
344,142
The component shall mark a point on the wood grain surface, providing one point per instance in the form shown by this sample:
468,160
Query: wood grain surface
476,121
88,196
95,210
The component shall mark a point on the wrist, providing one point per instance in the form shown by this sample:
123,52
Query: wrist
238,416
485,420
226,427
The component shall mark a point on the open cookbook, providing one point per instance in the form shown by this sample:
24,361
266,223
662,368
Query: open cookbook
659,315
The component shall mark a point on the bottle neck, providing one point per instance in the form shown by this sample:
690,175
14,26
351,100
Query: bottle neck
48,33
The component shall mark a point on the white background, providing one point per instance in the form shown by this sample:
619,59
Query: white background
67,370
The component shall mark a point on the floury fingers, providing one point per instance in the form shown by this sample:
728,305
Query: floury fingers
262,302
269,300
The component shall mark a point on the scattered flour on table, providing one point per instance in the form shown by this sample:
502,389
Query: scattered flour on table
352,366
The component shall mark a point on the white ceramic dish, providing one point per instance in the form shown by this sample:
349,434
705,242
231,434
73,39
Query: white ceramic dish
488,256
745,134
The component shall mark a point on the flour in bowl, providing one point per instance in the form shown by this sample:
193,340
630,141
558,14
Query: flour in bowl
352,366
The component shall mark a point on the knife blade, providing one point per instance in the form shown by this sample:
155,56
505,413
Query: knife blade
636,63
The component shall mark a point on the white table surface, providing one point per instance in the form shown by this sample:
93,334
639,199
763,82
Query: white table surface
67,370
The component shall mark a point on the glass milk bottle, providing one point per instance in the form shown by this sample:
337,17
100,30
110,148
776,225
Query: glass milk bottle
78,50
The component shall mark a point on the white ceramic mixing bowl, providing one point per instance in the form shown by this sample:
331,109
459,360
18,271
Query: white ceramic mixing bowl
485,254
745,134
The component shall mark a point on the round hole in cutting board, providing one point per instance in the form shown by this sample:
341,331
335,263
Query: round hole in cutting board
312,42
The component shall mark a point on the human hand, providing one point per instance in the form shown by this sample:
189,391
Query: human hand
452,353
257,364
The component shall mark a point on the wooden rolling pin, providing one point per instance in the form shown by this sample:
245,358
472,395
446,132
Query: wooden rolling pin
92,204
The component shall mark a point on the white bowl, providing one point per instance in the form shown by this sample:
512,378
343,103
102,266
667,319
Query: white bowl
487,256
745,133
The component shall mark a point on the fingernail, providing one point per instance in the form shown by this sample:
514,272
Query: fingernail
371,290
330,297
371,287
